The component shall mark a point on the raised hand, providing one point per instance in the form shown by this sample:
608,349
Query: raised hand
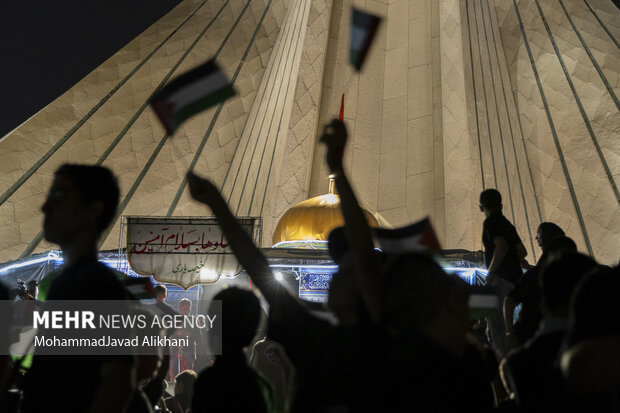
201,189
335,138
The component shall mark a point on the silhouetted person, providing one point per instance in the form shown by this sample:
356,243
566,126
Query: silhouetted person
561,245
359,259
429,365
503,254
527,293
531,369
230,385
322,353
81,203
183,392
592,363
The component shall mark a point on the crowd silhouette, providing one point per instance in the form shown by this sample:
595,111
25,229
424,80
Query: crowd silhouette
403,340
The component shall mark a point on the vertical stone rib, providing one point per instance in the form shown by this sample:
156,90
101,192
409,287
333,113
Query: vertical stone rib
514,149
473,82
603,25
272,110
556,141
486,100
499,123
582,111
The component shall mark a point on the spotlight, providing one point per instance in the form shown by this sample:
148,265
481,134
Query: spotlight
279,276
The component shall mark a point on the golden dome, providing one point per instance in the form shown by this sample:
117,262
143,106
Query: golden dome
313,219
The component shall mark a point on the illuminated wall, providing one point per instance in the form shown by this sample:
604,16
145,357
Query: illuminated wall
529,97
392,111
104,119
568,114
448,103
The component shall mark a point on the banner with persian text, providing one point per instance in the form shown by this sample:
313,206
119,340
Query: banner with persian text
183,251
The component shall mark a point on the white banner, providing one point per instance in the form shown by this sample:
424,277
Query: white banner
183,251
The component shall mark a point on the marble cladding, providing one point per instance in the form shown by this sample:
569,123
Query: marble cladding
598,231
293,171
257,166
494,126
392,111
20,215
459,155
447,104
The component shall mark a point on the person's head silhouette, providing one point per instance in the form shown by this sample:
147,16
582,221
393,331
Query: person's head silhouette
419,297
490,201
80,204
241,313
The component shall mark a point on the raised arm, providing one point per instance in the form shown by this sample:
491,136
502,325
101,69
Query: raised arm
248,254
357,229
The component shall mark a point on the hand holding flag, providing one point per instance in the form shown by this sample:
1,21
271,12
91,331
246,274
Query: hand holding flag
189,94
202,190
335,138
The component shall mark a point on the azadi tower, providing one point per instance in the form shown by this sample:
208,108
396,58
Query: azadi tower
455,96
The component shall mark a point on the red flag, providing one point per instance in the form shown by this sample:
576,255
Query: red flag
341,117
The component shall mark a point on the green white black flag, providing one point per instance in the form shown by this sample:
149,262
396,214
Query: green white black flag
191,93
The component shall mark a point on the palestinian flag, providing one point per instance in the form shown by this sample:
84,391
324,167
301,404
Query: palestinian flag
483,301
363,29
189,94
138,288
417,237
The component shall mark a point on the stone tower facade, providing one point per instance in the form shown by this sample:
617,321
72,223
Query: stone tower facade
455,96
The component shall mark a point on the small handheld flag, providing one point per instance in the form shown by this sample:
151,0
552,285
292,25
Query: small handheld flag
417,237
363,29
138,288
483,301
189,94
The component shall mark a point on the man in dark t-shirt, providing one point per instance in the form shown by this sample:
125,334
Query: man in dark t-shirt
503,254
80,205
231,385
160,307
508,267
